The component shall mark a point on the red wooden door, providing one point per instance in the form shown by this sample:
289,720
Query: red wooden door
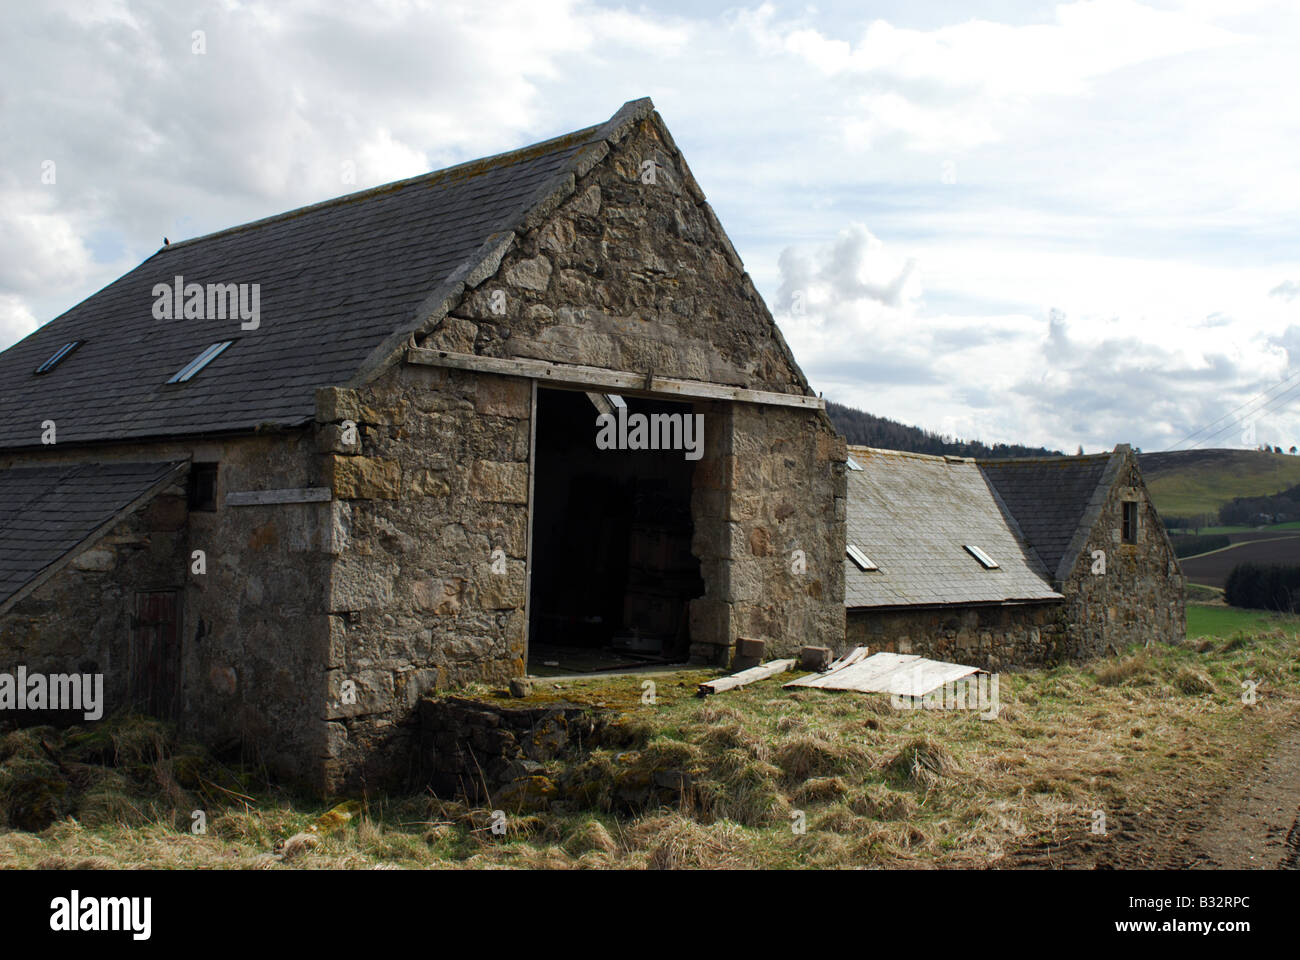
155,654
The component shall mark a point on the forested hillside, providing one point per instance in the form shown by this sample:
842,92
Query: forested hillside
868,430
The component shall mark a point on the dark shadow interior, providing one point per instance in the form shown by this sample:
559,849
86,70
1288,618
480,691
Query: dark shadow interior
612,569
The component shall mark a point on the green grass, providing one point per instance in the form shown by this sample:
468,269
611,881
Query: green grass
1204,620
1199,592
873,785
1187,483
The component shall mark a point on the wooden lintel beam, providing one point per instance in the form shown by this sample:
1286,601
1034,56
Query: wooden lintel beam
582,377
256,498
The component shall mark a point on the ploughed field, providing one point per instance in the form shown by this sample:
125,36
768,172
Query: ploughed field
1255,546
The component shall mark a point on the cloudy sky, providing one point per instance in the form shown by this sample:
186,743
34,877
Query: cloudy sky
1063,224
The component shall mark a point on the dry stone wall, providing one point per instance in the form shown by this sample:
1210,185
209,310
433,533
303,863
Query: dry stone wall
253,633
992,637
79,620
430,592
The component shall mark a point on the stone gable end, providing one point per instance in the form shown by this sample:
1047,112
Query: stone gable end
1139,596
628,275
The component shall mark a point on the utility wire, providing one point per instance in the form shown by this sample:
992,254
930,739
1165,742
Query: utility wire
1281,385
1271,406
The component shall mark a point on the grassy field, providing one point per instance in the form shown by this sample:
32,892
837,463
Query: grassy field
1191,482
1205,620
872,785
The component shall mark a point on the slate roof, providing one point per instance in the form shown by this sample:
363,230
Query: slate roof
1048,497
912,514
341,282
47,511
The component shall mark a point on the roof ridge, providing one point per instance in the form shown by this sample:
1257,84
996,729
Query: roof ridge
1066,457
493,159
940,458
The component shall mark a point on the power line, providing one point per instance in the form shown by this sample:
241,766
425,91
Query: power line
1282,384
1270,406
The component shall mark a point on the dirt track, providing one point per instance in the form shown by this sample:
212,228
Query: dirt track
1255,824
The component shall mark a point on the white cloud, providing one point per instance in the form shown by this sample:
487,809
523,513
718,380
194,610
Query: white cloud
16,321
1129,164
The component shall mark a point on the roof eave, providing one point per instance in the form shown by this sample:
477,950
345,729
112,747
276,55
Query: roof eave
956,604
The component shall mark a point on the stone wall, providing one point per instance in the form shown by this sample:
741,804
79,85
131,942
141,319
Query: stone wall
1140,596
437,482
79,620
628,275
254,636
522,755
991,637
499,753
769,505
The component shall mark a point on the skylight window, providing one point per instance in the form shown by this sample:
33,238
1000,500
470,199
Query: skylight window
188,371
987,562
853,464
59,354
861,559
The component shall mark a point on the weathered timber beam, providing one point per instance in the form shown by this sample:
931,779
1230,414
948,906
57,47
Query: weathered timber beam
253,498
579,377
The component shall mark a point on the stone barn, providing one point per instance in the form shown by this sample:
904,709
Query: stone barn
1005,563
525,413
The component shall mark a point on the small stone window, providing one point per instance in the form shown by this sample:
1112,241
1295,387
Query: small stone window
203,487
1130,528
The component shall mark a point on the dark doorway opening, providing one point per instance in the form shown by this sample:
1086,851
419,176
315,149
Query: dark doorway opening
612,568
155,654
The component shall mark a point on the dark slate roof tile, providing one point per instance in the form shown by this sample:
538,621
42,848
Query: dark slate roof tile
1047,496
337,279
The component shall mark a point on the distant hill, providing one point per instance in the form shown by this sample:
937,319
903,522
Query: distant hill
1182,483
1191,482
868,430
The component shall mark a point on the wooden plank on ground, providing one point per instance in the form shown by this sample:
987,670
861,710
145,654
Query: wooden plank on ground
918,679
856,655
860,676
853,656
761,672
894,673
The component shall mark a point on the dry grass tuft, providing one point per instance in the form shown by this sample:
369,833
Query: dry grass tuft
922,763
590,836
1124,670
878,802
818,754
820,790
675,842
1193,680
